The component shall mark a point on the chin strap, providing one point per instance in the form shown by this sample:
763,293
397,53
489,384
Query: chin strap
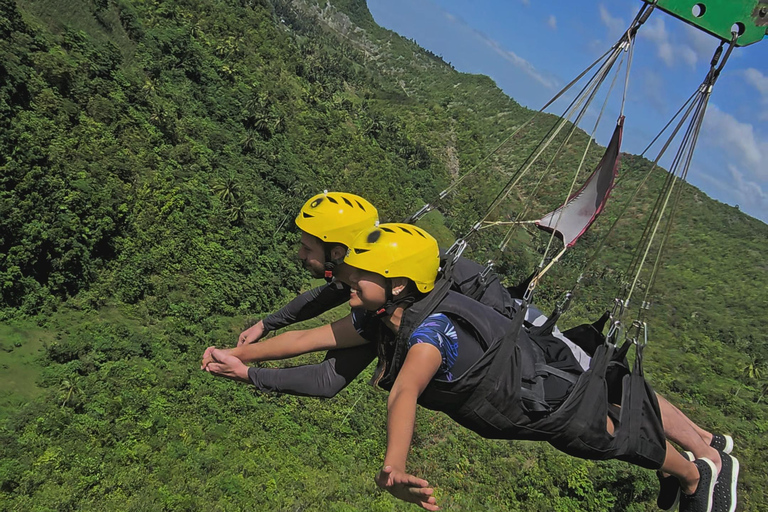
328,275
329,263
393,302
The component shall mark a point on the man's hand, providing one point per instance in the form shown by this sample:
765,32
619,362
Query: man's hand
407,487
207,358
252,334
226,365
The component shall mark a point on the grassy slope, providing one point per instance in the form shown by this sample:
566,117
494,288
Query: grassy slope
21,347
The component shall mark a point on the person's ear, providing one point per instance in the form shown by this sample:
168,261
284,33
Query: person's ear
398,285
338,253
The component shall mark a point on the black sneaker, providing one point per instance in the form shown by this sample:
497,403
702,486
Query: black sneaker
669,488
724,499
724,443
701,499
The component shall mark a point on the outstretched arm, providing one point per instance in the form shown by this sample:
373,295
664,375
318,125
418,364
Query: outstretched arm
307,305
339,334
421,364
322,380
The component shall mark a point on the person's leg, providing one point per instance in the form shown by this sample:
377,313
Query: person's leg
705,435
680,429
688,473
681,468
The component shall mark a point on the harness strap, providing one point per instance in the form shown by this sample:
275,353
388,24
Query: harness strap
532,399
545,369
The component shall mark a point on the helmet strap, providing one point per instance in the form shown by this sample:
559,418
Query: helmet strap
393,302
328,275
329,263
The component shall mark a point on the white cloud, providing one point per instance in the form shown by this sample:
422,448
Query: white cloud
519,62
757,80
688,55
732,186
739,141
657,33
615,25
750,195
700,42
552,22
668,51
652,83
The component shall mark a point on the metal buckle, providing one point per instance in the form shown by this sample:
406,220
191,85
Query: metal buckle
613,333
486,270
419,214
566,303
457,248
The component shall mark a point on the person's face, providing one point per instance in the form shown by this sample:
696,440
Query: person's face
367,289
312,255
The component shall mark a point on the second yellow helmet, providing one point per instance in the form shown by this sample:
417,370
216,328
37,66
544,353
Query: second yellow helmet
397,250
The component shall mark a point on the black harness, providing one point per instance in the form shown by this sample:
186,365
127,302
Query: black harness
504,394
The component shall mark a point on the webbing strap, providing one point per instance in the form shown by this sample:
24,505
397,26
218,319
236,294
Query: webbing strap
551,370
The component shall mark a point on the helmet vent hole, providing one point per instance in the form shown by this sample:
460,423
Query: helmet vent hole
373,236
388,230
348,202
361,251
306,215
360,205
405,230
331,199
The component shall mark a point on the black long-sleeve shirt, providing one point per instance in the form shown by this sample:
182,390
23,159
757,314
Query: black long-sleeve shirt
308,305
340,366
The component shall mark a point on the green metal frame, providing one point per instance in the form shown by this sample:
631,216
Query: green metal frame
719,16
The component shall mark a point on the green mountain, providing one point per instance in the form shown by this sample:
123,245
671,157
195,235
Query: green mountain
152,157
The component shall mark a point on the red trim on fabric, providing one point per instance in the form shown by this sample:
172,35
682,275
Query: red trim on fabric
601,206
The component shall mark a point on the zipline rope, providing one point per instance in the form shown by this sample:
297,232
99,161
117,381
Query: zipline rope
640,18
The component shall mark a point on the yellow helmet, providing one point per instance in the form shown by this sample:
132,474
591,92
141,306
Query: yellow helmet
337,217
397,250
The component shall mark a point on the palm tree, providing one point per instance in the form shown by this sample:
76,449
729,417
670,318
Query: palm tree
228,190
754,370
68,386
249,141
278,123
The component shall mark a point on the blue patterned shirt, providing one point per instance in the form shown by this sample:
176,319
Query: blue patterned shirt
438,330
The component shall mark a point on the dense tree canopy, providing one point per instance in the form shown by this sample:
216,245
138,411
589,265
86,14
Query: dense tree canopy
152,157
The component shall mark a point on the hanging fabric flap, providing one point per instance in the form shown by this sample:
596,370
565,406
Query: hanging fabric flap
588,336
518,291
571,220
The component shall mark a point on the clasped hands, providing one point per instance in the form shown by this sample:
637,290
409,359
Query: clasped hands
222,363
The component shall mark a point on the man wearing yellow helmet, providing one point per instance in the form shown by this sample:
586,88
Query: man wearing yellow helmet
328,222
442,354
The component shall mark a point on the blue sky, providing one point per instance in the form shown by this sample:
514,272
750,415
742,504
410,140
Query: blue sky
532,48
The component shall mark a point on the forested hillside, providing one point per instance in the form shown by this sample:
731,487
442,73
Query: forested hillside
153,155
